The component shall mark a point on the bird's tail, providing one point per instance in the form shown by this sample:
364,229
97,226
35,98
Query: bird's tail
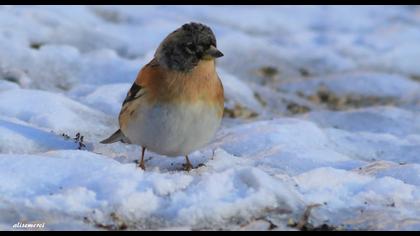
116,137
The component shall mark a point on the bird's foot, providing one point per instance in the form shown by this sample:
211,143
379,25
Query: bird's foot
141,165
187,166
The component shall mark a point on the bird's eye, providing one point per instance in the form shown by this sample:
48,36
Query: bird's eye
190,47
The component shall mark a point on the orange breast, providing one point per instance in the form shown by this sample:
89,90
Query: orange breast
166,86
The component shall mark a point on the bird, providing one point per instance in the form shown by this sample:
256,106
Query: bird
175,105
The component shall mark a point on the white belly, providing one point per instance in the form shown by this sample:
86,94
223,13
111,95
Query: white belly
173,130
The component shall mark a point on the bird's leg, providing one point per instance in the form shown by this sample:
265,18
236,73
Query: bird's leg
141,165
187,165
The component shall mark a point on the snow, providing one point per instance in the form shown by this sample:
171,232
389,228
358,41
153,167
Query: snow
51,111
382,119
66,70
106,98
16,135
362,84
238,92
105,185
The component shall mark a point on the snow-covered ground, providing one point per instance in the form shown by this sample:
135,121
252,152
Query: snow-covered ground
322,107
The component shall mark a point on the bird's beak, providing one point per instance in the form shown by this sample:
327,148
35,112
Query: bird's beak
213,52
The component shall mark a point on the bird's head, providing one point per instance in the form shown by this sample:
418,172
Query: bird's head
185,47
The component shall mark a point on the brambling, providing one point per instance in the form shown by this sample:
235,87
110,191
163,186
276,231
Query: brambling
175,105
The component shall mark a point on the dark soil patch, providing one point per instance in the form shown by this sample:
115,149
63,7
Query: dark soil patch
239,111
336,102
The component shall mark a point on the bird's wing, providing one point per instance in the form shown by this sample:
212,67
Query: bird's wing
135,92
142,90
137,89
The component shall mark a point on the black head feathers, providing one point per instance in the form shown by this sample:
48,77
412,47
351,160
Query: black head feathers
183,48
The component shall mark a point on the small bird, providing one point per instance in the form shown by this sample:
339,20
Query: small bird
175,105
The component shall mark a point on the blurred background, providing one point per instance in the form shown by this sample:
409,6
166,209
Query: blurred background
279,60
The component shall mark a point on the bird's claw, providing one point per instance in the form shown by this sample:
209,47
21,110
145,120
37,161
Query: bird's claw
142,166
188,166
